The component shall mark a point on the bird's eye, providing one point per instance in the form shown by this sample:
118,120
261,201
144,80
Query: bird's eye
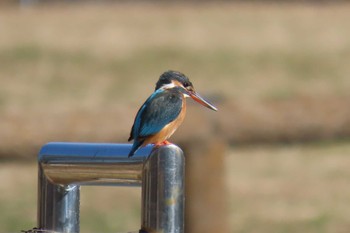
189,88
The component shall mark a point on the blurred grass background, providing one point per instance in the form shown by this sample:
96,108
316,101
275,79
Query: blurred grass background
279,74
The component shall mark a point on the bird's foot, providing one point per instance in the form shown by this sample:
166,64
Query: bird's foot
159,144
166,142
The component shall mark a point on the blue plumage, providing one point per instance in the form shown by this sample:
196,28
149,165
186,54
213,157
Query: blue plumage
160,109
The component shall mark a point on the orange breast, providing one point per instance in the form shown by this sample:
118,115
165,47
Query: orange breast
169,129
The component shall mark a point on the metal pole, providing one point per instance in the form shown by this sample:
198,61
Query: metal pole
92,163
163,191
63,167
58,206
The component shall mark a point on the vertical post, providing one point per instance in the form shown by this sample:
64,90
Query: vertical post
206,210
58,205
163,191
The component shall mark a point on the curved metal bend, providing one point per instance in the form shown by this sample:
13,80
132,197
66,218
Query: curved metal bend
63,167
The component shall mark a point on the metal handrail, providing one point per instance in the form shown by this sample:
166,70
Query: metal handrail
64,167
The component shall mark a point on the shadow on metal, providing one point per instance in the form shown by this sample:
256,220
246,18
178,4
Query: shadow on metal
64,167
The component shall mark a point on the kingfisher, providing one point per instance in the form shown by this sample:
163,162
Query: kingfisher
164,111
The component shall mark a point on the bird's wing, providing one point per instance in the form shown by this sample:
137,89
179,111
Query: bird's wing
161,108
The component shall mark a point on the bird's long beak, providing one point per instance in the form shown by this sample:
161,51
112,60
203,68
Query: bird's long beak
194,95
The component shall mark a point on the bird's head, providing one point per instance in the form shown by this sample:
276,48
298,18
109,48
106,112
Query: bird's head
174,79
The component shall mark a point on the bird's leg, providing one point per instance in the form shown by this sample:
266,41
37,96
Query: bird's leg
163,143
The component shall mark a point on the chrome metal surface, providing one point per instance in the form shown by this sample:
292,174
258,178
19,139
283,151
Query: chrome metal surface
92,163
63,167
58,206
163,197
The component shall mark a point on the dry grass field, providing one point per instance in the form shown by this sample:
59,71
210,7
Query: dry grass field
278,73
290,189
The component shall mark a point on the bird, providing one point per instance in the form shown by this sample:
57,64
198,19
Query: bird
164,111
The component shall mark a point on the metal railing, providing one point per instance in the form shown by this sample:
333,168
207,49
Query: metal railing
64,167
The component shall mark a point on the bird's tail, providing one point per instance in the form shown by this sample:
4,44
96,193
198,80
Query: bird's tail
137,144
